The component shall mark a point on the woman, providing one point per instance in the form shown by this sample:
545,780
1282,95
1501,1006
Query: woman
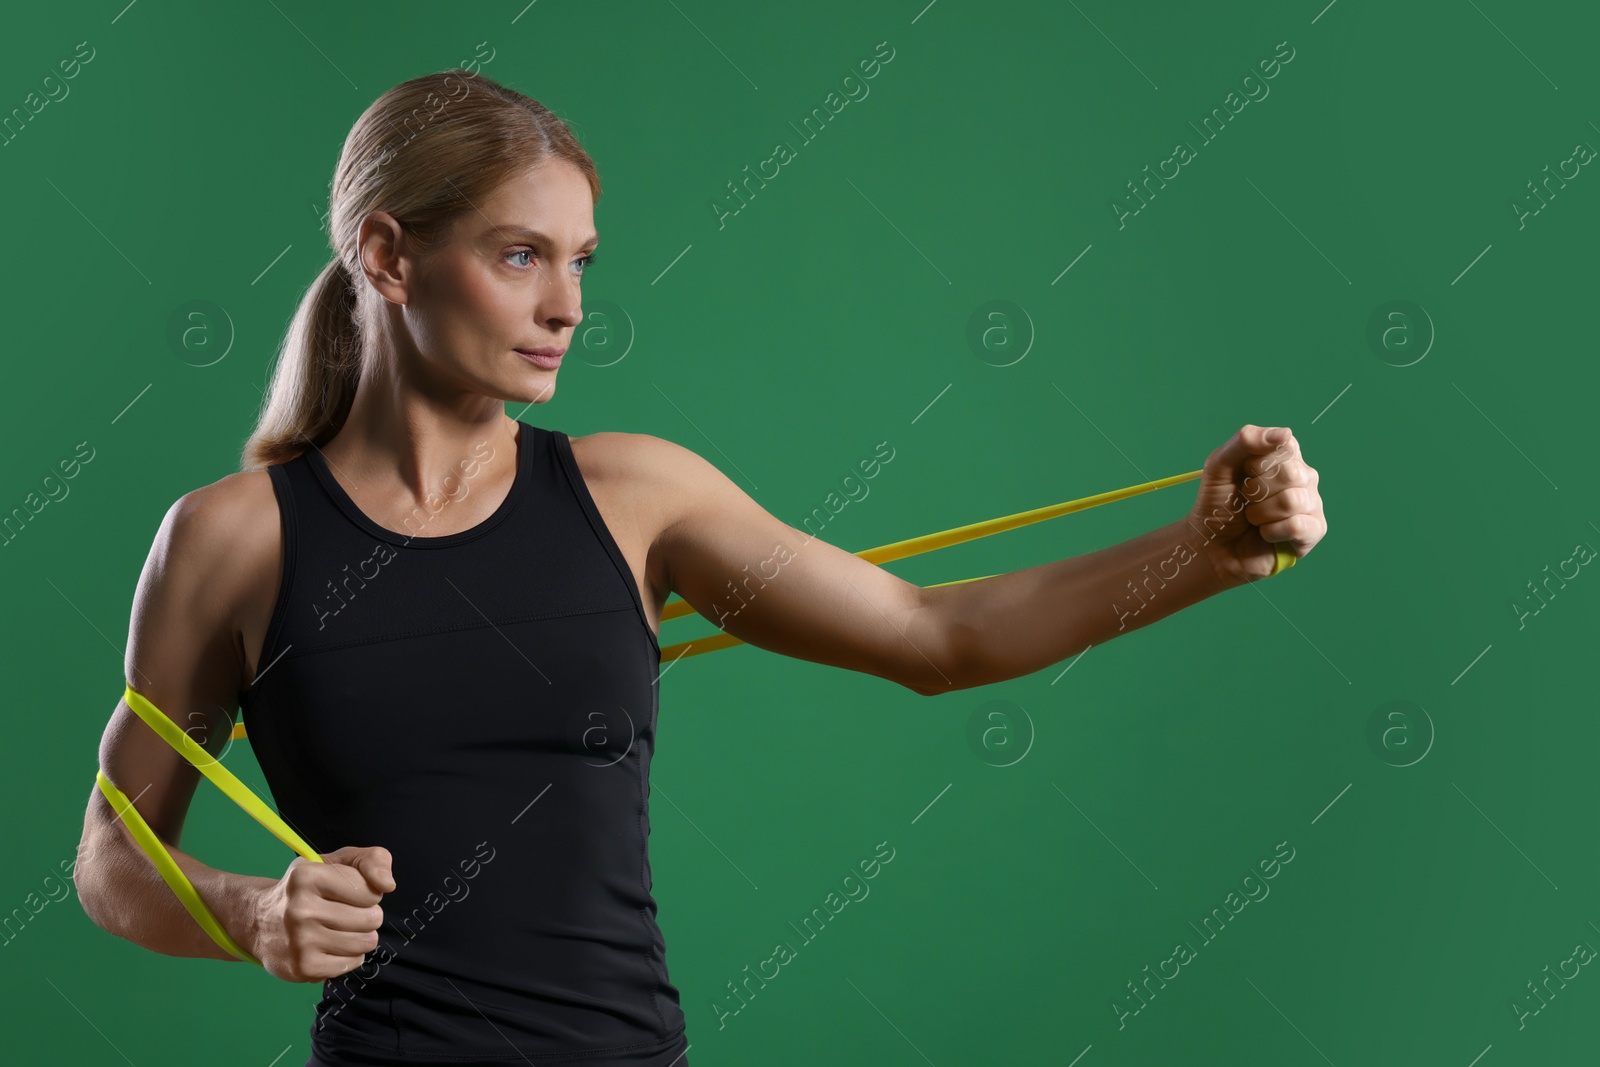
440,622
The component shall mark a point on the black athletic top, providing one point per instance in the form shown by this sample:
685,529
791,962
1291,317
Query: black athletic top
483,705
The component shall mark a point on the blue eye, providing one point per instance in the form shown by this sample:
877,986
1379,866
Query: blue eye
587,260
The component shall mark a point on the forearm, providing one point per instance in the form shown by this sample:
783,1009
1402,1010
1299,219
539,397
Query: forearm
1017,623
123,893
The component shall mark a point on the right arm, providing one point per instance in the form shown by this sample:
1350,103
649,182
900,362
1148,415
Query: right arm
185,654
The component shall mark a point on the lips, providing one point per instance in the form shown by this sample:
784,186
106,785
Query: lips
546,357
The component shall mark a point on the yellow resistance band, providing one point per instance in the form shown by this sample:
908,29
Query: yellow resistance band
236,790
225,780
1283,557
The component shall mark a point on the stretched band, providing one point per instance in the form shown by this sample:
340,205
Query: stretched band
1283,556
170,871
224,779
152,844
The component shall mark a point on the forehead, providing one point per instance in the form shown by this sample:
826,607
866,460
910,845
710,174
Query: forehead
553,199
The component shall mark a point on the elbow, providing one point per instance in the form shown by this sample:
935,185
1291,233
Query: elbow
925,688
945,664
92,874
90,899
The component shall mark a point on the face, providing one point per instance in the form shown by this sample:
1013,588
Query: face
509,280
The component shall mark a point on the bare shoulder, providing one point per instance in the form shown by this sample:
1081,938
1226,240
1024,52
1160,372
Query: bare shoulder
212,572
656,475
644,486
722,552
619,453
233,515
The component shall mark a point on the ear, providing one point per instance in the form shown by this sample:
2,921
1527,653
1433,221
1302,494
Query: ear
384,257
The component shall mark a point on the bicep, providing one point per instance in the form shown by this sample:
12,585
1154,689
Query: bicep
182,658
779,588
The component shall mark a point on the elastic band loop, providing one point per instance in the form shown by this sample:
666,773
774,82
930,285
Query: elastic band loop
224,779
170,871
1283,557
972,531
943,539
711,643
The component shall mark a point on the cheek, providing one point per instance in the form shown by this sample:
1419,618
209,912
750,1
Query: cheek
501,308
467,309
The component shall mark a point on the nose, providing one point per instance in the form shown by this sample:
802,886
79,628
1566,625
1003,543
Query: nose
560,300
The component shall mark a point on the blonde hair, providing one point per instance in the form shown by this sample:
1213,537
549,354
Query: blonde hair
425,152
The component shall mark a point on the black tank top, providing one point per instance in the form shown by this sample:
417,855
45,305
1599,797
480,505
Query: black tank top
483,705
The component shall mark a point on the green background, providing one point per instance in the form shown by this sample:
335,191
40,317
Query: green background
833,313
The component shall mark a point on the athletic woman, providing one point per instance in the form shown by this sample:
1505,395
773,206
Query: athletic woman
440,621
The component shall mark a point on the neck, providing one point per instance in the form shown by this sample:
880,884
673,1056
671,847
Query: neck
404,436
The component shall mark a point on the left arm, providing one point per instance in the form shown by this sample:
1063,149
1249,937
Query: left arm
776,587
1256,490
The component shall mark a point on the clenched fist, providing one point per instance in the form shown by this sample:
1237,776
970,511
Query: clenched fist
1257,492
321,919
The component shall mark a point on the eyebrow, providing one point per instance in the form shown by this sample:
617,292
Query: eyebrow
533,237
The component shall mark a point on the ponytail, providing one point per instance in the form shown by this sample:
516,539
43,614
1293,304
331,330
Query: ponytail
316,373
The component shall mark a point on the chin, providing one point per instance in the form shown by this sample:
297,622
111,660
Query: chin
536,394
